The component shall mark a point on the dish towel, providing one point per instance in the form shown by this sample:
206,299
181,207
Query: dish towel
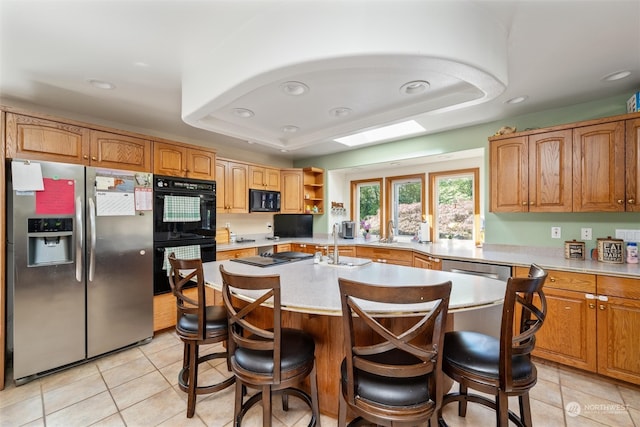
182,252
181,209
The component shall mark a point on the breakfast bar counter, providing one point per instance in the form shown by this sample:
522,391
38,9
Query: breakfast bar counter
310,301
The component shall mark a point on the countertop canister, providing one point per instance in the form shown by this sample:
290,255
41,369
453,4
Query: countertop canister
610,250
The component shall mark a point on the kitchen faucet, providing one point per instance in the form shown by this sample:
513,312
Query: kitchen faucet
336,253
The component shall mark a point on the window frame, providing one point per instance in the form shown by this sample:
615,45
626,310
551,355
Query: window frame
433,176
355,208
389,181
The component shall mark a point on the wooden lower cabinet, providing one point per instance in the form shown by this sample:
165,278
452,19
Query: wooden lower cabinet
303,247
164,307
386,255
427,261
618,320
285,247
236,253
593,323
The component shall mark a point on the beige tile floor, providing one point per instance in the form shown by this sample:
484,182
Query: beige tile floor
138,387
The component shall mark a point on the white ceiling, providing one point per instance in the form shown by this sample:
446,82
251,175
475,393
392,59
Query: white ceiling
181,67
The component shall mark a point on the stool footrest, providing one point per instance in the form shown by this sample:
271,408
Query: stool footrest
183,377
291,391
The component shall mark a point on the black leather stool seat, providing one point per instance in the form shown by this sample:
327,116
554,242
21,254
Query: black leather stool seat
480,354
216,322
401,391
298,348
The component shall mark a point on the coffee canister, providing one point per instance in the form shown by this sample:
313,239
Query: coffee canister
573,249
610,250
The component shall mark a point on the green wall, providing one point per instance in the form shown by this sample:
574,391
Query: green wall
513,229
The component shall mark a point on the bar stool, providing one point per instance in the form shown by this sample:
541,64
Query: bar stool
264,355
393,377
197,324
500,367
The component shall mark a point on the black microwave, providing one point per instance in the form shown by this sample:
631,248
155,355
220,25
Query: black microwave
264,201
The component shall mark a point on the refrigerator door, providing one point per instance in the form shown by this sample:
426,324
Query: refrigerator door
119,262
48,299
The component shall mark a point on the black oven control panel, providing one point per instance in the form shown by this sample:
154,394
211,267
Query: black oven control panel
166,183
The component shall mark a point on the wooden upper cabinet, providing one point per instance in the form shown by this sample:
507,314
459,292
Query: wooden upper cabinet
110,150
599,168
532,173
39,139
632,165
264,178
509,165
232,189
183,161
550,172
291,198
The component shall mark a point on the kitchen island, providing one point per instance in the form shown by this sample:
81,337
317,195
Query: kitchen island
310,301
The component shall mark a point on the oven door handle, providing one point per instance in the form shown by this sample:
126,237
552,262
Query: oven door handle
208,245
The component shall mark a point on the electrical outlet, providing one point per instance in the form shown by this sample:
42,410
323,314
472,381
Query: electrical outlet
555,232
585,234
227,225
268,225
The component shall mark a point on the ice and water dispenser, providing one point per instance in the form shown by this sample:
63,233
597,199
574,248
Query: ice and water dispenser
50,241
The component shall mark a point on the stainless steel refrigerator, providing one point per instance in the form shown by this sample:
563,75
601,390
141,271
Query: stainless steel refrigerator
80,264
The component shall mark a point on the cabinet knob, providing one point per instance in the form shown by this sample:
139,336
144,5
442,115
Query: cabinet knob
524,203
94,158
552,279
631,201
592,305
620,201
531,203
85,157
602,306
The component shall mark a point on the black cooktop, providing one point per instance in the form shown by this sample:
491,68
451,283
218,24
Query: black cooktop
275,259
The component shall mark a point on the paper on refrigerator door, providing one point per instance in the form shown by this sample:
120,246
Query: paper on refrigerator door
115,204
26,176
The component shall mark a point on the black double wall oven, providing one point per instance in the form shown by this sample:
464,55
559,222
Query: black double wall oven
184,218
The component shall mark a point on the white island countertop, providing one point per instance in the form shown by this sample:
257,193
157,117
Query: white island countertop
313,288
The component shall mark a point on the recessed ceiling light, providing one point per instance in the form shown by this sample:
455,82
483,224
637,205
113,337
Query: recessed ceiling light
141,64
294,88
290,129
282,150
616,76
414,87
516,100
340,111
386,132
245,113
101,84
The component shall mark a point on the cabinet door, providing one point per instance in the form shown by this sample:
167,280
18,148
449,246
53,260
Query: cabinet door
235,253
618,343
237,188
632,166
169,159
550,170
114,151
598,168
509,175
291,198
221,187
272,179
428,262
568,333
201,164
257,179
38,139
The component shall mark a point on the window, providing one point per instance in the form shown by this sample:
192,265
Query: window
454,204
406,204
366,202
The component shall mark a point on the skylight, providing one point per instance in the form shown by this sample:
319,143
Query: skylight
397,130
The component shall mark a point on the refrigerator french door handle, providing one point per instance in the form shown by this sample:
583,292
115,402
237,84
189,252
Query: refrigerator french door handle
92,245
79,240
